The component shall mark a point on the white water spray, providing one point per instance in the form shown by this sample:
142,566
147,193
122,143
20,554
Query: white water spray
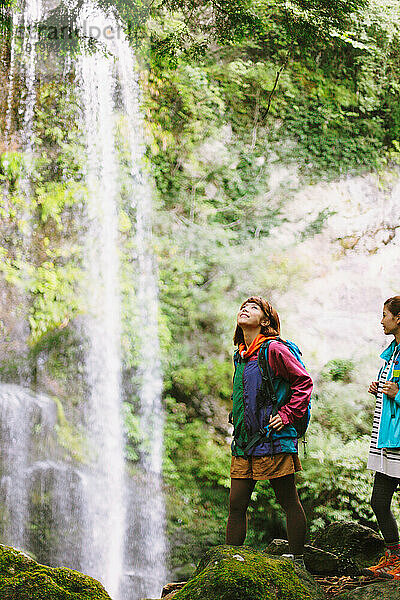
99,74
150,515
104,495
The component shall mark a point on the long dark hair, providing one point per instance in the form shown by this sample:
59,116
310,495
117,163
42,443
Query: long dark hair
393,304
273,327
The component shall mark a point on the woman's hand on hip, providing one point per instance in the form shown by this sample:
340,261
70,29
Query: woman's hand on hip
390,389
373,388
276,422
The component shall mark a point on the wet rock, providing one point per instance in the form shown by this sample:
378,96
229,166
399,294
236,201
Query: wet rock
242,573
22,577
360,545
317,561
382,590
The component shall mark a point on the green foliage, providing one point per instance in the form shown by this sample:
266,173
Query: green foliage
14,368
196,471
214,156
12,166
189,443
336,485
53,198
133,433
185,29
208,379
56,300
318,224
49,268
338,369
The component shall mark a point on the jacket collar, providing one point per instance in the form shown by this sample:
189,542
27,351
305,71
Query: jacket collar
387,354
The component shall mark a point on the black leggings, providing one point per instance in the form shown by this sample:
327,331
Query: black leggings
382,494
286,495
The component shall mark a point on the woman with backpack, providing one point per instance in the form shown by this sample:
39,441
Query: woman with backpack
384,454
271,393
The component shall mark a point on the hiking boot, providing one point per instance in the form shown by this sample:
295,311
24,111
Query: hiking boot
395,573
385,566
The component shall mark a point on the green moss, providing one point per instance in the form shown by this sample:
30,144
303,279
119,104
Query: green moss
13,367
242,573
22,577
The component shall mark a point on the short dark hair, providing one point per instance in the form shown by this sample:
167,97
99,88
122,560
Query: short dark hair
393,304
274,326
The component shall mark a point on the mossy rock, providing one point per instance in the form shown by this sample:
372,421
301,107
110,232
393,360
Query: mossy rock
242,573
357,543
384,590
21,577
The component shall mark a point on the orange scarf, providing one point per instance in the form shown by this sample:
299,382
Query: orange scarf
254,346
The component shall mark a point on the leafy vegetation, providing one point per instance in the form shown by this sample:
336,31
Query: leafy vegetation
338,369
244,103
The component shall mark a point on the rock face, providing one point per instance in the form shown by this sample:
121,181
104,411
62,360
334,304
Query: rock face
360,545
384,590
23,578
242,573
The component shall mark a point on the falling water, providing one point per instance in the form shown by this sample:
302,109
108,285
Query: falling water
24,51
15,20
19,413
104,501
18,409
145,550
118,533
150,548
32,16
145,545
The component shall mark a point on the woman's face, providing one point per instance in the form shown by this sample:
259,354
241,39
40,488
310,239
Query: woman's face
251,315
390,322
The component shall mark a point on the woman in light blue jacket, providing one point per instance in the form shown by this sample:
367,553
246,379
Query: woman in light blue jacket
384,454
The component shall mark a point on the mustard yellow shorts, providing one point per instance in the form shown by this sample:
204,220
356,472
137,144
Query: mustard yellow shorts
265,467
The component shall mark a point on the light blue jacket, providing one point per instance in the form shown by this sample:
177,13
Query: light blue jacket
389,428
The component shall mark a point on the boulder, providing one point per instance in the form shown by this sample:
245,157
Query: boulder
382,590
317,561
21,577
358,544
242,573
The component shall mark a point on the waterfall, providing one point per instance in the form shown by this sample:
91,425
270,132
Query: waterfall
104,498
19,412
99,73
41,496
117,531
149,548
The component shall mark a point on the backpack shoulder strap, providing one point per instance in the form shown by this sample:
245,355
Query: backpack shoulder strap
236,358
266,373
